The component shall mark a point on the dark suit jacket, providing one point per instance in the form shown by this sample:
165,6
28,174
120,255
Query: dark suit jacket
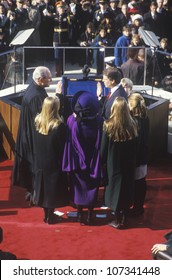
165,255
133,70
153,25
108,103
168,237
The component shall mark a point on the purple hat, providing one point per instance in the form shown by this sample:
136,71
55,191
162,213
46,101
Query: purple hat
85,104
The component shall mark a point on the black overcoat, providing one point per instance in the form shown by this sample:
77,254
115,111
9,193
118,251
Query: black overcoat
133,70
24,150
120,158
50,184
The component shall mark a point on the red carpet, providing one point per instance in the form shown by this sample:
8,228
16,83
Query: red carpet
28,237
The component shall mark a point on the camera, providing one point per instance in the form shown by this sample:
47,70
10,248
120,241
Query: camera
12,14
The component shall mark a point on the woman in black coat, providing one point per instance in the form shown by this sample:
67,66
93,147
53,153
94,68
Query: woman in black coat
50,183
139,112
118,152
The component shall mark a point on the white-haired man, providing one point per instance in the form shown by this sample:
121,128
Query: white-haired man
33,98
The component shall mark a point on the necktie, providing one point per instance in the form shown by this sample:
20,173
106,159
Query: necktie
108,96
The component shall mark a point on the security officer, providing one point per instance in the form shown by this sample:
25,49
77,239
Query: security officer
21,16
61,34
100,14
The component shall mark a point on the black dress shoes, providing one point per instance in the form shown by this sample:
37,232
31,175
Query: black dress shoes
89,217
79,217
49,216
53,219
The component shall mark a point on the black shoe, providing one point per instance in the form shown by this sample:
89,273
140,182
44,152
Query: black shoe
79,217
45,215
79,214
89,217
53,219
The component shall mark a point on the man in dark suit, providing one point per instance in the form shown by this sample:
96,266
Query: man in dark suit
152,20
133,68
111,79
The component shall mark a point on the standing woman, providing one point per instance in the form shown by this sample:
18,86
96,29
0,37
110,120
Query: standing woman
139,112
50,182
82,152
118,152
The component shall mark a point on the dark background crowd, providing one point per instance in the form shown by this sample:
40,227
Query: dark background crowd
88,23
113,14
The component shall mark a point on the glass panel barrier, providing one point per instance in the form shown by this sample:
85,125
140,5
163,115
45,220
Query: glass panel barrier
18,64
71,60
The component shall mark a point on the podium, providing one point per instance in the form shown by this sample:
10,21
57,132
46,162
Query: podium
10,104
158,116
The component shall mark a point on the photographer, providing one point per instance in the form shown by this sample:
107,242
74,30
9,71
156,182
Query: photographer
84,15
86,39
12,26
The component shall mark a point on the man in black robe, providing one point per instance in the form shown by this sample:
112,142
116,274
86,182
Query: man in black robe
33,98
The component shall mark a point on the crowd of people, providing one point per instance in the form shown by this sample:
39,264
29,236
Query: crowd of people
89,23
63,22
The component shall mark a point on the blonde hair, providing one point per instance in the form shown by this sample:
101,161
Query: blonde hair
137,105
120,126
49,117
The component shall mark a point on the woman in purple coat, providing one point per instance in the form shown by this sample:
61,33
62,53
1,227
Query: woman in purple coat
81,154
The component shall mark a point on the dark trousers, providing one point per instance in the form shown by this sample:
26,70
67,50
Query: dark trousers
139,194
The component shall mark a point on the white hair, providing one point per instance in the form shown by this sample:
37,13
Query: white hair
40,72
126,82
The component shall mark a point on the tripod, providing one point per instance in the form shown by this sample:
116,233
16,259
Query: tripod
156,71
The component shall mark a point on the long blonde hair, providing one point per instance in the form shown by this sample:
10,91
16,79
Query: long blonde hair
49,117
137,105
120,126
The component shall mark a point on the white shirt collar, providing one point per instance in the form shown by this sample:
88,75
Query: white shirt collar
114,89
